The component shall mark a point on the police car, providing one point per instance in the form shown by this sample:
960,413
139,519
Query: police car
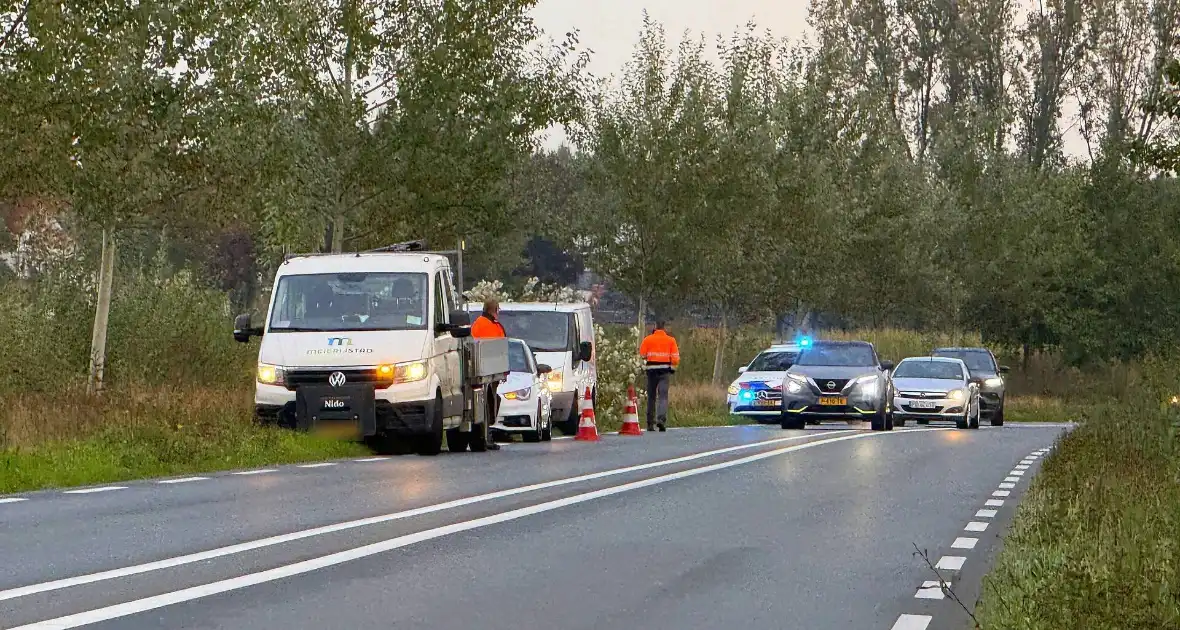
758,390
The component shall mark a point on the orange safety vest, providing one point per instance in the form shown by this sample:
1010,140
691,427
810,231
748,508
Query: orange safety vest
485,327
659,349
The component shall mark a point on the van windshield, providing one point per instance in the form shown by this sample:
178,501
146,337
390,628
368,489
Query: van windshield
327,302
543,331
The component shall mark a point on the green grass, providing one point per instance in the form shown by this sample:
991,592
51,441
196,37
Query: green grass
1096,542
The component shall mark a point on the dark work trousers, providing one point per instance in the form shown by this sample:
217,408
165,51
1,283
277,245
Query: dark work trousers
657,395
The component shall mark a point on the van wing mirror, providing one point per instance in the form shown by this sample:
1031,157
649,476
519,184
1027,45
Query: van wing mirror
585,351
244,329
460,318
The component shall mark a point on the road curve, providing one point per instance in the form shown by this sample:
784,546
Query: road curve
693,528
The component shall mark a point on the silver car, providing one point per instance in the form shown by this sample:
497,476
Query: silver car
836,380
934,388
981,363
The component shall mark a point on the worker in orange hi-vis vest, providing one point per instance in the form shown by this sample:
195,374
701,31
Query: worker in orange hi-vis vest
661,357
487,326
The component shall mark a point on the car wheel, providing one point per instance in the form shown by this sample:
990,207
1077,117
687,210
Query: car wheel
570,426
792,423
431,443
534,436
897,422
547,431
963,422
973,421
998,416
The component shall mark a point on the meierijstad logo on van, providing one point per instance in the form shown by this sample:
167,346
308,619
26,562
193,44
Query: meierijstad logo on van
339,345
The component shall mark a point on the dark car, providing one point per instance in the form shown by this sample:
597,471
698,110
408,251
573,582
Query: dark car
836,380
983,366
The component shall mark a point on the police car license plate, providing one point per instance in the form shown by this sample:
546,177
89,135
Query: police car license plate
923,404
766,403
833,401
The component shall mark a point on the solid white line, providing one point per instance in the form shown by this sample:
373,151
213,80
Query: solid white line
319,465
1007,486
1002,493
256,472
184,480
912,622
94,490
964,543
167,599
372,459
329,529
930,589
985,514
1011,479
13,500
949,563
995,503
976,526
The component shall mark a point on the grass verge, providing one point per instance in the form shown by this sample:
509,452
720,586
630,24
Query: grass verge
1096,542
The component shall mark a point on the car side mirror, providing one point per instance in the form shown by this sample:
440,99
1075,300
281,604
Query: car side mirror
1004,369
887,365
742,370
543,369
585,351
244,329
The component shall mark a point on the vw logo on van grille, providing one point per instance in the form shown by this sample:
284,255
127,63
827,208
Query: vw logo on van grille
337,379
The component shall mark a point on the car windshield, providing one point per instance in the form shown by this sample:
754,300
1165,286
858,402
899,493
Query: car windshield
976,360
773,362
929,369
326,302
517,358
842,355
543,331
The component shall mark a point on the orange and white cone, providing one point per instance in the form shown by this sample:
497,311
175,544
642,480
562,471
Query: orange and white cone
631,414
587,430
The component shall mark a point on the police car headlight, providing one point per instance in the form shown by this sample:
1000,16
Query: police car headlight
794,386
994,381
271,374
733,389
520,394
409,372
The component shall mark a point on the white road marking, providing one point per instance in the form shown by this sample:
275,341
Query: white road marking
256,472
1007,486
1001,493
930,589
319,465
1011,479
13,500
151,603
329,529
1017,473
183,480
985,514
912,622
94,490
1022,468
372,459
948,563
964,543
995,503
976,526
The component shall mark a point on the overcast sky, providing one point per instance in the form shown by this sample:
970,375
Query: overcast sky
610,28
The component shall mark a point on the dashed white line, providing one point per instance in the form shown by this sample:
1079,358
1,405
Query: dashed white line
319,465
94,490
950,563
964,543
930,589
13,500
985,514
182,480
1002,493
1007,486
256,472
976,526
912,622
1011,479
995,503
1022,468
1017,473
372,459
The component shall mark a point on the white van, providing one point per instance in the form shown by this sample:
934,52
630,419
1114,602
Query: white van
562,337
373,343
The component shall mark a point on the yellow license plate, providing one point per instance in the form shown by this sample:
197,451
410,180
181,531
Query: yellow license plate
833,401
766,403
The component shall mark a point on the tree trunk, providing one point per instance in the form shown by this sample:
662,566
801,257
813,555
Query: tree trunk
719,355
98,341
642,316
338,234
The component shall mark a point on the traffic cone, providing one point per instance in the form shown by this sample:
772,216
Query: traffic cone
631,414
587,430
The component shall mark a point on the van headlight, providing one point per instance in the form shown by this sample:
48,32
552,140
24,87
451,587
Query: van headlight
554,381
271,374
520,394
409,372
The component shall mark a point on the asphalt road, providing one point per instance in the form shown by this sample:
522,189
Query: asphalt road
693,528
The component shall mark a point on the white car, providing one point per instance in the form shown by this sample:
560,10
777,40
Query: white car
758,390
934,388
526,404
